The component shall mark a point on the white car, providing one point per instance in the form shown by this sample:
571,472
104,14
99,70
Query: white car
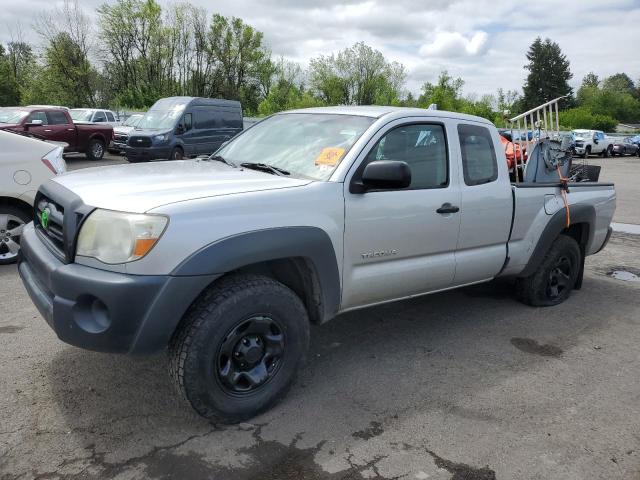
25,163
94,115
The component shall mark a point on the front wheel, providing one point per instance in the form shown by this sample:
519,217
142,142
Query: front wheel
552,282
239,347
176,154
12,221
95,149
607,152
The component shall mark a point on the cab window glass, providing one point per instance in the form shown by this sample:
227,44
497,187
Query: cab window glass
423,147
57,118
99,117
479,162
38,116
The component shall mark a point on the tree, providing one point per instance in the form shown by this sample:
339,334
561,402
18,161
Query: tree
9,91
358,75
620,82
446,93
549,74
590,80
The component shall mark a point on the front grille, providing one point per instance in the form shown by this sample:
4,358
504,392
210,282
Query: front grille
120,137
65,212
53,227
139,142
579,144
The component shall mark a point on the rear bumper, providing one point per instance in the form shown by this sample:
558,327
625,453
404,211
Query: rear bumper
148,153
606,240
105,311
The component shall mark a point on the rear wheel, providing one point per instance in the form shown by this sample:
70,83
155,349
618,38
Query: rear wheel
95,149
12,221
552,282
606,153
239,347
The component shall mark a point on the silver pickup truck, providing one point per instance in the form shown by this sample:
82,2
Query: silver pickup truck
226,261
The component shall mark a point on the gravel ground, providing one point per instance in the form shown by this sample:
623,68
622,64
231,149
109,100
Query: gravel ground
464,385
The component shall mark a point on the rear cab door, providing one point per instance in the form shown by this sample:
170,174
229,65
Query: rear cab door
486,203
396,244
61,128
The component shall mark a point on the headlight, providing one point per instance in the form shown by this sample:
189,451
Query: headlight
161,138
119,237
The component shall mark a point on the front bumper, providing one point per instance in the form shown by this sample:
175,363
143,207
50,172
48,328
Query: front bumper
146,154
101,310
579,150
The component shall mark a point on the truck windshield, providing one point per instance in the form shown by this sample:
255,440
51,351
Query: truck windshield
81,115
161,119
308,145
12,115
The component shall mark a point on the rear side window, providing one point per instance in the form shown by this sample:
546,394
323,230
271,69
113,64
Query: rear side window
57,118
479,162
231,118
99,117
110,117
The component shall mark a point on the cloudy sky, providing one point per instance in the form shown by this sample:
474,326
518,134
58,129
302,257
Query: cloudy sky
482,41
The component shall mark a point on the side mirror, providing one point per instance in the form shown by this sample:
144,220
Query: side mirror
33,123
180,129
385,174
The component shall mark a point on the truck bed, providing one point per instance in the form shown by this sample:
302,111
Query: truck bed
534,204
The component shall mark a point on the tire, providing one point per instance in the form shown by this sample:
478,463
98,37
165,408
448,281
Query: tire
12,221
606,153
587,152
176,154
227,326
95,149
552,282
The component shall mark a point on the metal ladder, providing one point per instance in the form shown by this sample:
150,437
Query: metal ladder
545,119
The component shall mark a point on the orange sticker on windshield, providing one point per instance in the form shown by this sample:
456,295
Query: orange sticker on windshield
330,156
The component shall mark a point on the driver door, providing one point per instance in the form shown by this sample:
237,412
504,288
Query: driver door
396,243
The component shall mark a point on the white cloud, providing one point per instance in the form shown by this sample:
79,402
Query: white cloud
455,44
482,41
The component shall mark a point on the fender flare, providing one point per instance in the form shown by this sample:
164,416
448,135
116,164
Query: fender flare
237,251
585,214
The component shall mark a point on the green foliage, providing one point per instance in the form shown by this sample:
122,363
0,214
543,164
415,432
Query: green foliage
583,117
614,98
358,75
549,74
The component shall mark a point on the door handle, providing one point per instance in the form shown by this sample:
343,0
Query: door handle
448,208
47,130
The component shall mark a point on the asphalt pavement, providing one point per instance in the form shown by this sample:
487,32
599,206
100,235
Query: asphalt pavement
463,385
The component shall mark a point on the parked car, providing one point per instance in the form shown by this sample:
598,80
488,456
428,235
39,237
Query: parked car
179,127
94,115
226,261
56,124
592,142
49,106
121,133
625,146
25,163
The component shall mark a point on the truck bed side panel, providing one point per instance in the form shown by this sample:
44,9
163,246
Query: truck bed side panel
535,205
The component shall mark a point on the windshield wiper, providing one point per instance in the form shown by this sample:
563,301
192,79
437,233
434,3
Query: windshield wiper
263,167
220,158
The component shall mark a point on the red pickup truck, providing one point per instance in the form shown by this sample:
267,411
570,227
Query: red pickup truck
56,124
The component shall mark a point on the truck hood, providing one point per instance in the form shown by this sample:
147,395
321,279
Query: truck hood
141,187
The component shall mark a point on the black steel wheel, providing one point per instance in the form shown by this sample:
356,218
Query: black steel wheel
250,355
559,278
239,347
555,277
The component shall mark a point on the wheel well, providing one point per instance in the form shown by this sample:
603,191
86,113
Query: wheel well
579,232
99,137
14,202
297,273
